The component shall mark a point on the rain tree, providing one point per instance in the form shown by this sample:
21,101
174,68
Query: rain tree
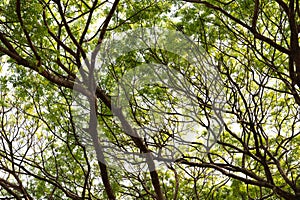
149,99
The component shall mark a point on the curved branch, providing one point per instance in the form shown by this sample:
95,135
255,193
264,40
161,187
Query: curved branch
251,29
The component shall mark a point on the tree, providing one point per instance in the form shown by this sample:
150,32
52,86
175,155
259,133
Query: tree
63,119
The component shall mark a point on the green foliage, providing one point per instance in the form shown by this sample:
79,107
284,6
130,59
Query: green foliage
47,149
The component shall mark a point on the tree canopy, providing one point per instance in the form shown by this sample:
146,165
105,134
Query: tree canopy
149,99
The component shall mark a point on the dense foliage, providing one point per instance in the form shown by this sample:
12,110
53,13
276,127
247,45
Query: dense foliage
214,113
